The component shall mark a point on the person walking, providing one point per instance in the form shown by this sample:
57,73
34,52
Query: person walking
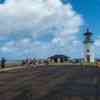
3,62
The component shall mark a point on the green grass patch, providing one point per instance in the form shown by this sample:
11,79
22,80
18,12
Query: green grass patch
92,65
11,65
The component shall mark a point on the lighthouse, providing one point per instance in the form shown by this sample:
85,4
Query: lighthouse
88,47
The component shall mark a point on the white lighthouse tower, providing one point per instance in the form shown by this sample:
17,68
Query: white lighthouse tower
88,48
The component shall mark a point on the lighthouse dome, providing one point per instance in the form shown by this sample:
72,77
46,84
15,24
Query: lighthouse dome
88,33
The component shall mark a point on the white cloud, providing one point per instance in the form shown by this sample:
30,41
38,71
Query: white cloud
38,18
77,43
13,46
21,45
97,42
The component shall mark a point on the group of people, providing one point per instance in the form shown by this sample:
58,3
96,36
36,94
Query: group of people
24,62
33,61
28,61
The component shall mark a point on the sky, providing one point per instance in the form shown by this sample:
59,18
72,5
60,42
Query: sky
41,28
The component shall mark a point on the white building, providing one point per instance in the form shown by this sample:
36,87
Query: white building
89,56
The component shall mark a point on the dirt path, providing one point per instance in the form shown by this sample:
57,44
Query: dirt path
48,82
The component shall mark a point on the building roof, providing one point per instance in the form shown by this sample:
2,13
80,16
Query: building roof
59,56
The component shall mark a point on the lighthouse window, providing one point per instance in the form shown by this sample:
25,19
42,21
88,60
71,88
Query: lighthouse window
88,50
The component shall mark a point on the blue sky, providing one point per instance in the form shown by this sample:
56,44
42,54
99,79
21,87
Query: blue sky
2,1
41,28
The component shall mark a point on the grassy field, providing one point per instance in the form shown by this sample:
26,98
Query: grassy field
12,63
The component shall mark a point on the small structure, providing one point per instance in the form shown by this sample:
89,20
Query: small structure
58,59
88,48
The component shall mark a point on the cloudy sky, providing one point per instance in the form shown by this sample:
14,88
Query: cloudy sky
40,28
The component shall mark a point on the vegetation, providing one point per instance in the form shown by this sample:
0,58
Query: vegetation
92,65
11,65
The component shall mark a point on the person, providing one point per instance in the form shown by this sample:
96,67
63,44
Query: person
34,61
23,62
46,62
3,62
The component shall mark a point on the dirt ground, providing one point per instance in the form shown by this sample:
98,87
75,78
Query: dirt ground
50,82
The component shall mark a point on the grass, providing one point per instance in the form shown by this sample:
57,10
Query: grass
92,65
64,63
85,65
11,65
